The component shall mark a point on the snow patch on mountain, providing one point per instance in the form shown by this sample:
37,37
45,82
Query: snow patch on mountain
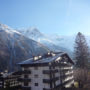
8,29
54,42
51,41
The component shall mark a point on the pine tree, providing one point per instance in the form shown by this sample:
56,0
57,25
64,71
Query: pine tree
81,51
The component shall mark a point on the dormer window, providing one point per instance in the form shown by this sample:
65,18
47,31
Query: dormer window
39,57
58,59
36,58
64,62
48,53
6,71
53,54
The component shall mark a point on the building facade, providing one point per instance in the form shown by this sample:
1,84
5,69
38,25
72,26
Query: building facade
47,72
9,80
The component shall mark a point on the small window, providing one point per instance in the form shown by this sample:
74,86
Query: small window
25,76
25,68
25,83
36,84
36,68
36,76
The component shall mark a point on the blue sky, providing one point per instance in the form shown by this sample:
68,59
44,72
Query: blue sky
64,17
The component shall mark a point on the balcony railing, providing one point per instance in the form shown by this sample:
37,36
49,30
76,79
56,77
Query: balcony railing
26,88
24,79
68,81
50,71
69,73
66,70
65,65
26,72
65,76
46,89
50,80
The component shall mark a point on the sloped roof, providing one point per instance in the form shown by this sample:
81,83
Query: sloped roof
44,59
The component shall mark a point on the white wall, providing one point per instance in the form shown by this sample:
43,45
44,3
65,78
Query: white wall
40,78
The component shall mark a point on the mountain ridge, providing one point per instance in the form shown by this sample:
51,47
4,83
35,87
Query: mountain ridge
55,42
15,47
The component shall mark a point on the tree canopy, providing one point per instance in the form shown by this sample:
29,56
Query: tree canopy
81,51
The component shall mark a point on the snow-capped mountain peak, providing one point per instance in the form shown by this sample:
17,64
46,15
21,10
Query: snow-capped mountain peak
3,26
8,29
34,31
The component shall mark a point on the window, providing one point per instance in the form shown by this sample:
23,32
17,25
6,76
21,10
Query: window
36,68
25,76
25,83
25,68
36,84
36,76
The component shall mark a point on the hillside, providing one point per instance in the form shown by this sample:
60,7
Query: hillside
15,47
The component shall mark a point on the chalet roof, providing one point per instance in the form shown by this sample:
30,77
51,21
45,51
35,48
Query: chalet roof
44,59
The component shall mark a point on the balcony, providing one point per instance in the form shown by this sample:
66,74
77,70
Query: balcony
26,72
65,75
26,88
50,80
24,79
66,70
68,81
46,89
71,72
50,71
65,65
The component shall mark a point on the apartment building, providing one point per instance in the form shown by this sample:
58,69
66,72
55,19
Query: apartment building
9,79
47,72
